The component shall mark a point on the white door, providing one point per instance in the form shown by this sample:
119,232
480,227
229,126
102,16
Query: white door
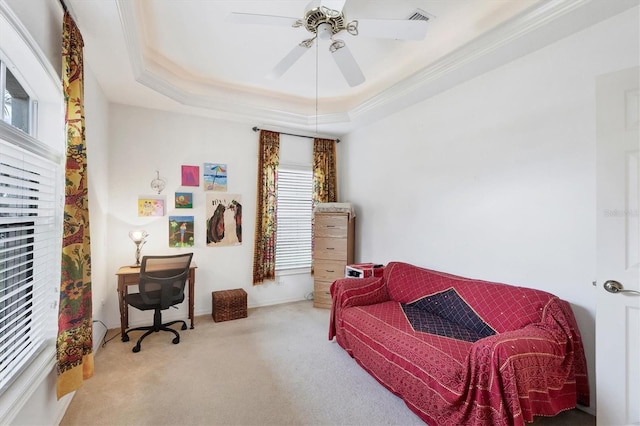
618,253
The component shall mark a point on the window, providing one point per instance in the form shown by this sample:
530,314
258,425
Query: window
295,209
32,149
29,242
15,100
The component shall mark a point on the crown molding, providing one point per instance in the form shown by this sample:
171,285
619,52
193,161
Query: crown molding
498,46
453,68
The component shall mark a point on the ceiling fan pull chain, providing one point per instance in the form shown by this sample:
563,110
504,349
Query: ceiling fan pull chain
352,27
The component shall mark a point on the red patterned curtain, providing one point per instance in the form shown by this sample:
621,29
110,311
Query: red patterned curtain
264,254
325,187
74,345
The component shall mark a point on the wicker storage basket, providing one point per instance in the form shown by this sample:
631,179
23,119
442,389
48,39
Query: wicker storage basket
229,304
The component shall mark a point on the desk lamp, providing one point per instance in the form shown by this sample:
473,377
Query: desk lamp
139,238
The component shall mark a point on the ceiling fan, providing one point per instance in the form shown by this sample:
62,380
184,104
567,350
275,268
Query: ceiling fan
324,19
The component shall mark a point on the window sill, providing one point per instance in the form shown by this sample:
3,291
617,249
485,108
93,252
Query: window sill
19,392
295,271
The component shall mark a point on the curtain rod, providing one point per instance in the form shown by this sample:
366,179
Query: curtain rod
256,129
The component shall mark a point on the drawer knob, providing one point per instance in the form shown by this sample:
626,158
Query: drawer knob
329,270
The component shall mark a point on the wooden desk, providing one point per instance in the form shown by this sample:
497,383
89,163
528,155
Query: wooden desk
128,275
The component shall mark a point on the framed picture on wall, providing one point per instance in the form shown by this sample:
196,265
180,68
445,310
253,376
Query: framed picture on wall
181,231
215,177
184,200
150,206
190,175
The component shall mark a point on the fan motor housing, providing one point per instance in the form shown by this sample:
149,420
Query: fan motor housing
322,15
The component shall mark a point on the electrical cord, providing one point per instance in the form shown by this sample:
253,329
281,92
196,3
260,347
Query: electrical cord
104,337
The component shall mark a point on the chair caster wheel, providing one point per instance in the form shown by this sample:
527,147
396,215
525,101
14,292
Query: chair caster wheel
125,338
176,340
136,348
184,326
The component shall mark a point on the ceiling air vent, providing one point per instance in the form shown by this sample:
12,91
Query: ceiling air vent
419,15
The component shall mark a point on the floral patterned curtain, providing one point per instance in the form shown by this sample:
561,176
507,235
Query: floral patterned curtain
74,345
264,254
325,187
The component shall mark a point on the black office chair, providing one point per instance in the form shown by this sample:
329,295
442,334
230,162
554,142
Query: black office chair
162,281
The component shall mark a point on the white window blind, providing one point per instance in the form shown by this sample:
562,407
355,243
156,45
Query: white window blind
29,262
295,209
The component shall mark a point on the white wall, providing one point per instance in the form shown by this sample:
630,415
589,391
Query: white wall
495,178
142,141
97,131
45,27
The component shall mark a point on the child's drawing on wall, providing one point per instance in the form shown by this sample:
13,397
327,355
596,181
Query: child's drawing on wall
184,200
215,177
150,206
181,231
224,220
190,175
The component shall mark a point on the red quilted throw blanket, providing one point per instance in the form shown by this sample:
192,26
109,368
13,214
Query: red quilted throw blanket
461,351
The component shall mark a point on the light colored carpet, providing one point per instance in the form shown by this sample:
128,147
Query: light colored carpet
275,367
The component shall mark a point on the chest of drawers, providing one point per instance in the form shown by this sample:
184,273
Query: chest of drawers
333,250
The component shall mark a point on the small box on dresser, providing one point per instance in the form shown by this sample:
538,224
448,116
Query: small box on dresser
334,235
229,304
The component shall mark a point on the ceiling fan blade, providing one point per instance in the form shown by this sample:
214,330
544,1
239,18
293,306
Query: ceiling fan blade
348,65
290,59
401,29
333,4
252,18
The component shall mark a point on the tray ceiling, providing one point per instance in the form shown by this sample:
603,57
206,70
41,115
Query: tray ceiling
186,56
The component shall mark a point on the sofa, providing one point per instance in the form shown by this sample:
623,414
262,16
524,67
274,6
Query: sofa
462,351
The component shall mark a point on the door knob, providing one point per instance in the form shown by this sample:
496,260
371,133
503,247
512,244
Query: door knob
615,287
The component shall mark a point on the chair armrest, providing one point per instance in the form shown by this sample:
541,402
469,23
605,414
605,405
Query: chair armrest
522,370
348,292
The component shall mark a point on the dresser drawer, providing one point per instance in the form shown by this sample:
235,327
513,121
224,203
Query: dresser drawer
321,294
330,248
328,270
331,226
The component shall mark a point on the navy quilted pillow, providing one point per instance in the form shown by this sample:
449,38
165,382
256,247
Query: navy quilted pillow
449,305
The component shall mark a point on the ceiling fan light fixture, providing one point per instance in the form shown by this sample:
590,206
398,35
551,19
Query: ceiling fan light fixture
324,31
352,27
337,44
330,13
324,19
307,43
317,16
